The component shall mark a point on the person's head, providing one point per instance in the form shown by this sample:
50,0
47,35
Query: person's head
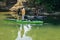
22,7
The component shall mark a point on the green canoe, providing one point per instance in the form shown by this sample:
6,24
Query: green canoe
29,22
25,21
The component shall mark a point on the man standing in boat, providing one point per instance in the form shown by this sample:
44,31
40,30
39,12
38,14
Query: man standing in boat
22,12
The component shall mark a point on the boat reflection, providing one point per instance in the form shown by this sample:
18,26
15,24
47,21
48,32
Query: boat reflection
24,28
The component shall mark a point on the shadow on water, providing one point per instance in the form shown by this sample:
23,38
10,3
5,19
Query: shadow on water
52,20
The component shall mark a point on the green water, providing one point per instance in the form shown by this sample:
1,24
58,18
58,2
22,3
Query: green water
8,31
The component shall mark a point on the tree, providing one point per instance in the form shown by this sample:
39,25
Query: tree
50,5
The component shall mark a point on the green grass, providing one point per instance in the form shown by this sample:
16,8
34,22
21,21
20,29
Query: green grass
9,30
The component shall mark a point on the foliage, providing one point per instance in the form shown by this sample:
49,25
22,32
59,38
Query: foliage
50,5
2,0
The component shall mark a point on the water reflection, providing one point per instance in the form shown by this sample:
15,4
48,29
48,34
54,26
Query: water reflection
24,28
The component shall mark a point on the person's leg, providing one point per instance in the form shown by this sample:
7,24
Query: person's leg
23,17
